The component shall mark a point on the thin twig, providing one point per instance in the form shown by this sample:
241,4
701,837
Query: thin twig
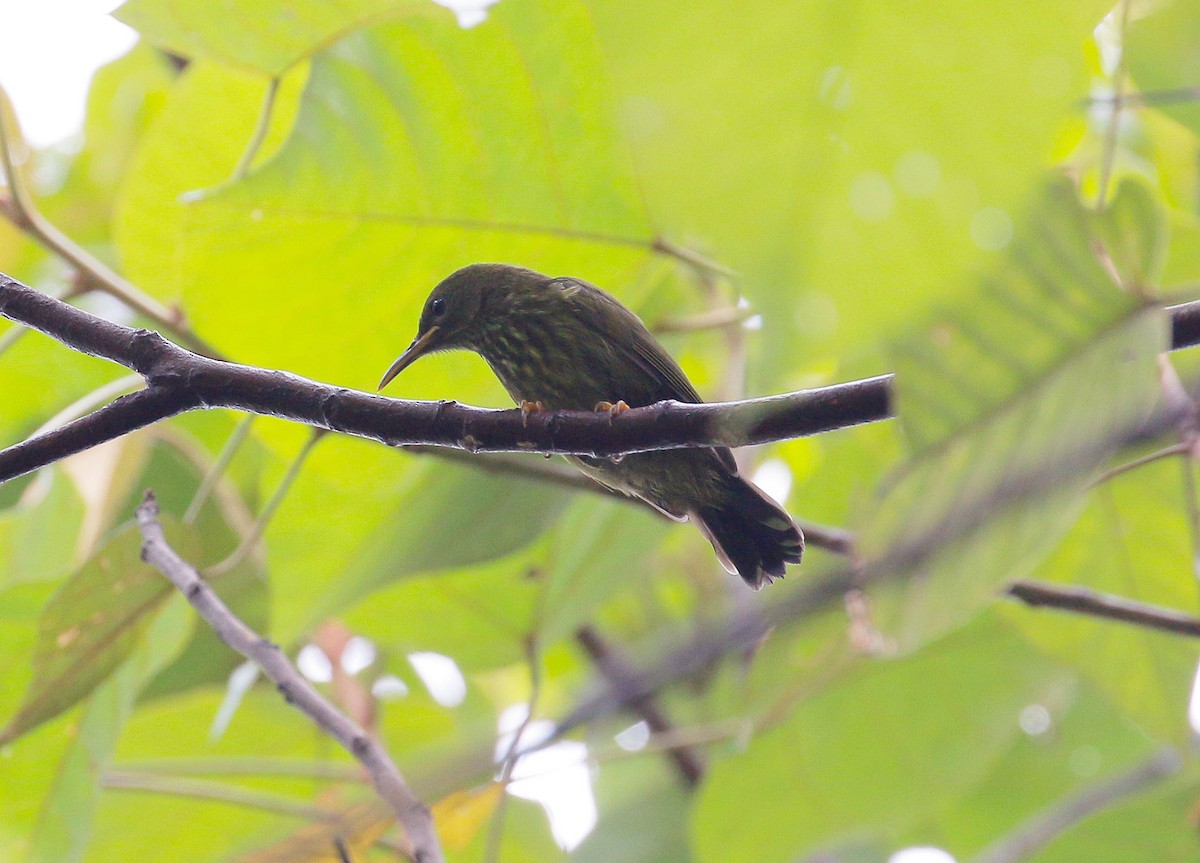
260,130
1081,600
688,763
130,780
213,477
1147,97
1109,151
1037,832
268,512
307,769
412,813
713,319
1157,455
512,756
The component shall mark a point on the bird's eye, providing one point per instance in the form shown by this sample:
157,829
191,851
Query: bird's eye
437,308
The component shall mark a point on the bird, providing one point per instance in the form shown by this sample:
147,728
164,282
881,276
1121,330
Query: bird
560,343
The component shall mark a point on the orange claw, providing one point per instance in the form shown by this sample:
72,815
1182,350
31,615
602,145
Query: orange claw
613,409
527,408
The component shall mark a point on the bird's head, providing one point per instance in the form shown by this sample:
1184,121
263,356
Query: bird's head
454,312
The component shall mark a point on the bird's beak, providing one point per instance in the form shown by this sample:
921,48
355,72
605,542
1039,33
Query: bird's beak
420,346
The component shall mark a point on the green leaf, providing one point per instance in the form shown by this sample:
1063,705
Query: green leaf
67,816
597,550
38,535
268,36
91,625
448,517
759,126
879,751
1009,401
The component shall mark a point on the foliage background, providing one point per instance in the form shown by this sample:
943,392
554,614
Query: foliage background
920,188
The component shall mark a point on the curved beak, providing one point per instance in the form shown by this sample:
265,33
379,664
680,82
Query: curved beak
419,347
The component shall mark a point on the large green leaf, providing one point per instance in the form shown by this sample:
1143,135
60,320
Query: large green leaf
89,627
1009,401
265,35
843,768
838,155
66,824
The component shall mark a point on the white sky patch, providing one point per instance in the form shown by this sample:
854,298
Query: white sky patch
441,677
556,777
468,12
48,52
1193,713
775,478
1035,720
634,738
358,655
240,681
921,854
389,687
314,664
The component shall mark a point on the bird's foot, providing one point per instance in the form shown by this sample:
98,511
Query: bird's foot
527,408
613,409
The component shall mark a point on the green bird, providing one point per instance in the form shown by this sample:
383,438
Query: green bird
563,344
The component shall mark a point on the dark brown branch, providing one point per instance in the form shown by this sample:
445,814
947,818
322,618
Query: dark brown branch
199,382
1036,833
613,667
126,414
1082,600
411,812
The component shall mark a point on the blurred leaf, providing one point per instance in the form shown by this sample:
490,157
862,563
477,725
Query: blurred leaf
66,824
842,179
1071,741
460,816
598,548
1132,540
1162,55
1009,402
38,535
644,815
265,35
842,768
1133,233
449,516
91,625
350,224
358,826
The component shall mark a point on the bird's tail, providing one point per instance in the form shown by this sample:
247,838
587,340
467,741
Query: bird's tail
753,536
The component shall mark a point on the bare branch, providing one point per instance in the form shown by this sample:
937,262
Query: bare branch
185,381
179,380
1041,829
412,813
613,667
1082,600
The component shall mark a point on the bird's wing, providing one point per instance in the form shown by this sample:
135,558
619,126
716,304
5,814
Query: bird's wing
625,331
